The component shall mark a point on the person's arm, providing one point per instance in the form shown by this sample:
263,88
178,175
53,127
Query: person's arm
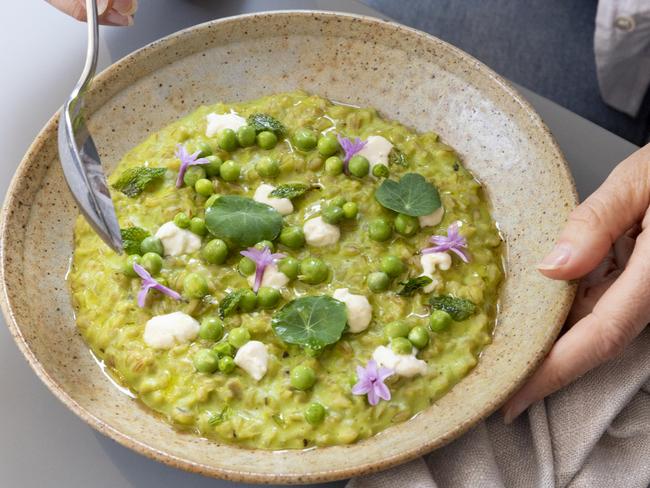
622,312
111,12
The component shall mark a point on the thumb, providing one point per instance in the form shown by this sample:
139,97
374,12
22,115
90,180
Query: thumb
594,225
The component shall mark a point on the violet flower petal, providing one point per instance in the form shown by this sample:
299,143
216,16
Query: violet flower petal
262,259
371,382
148,283
350,148
453,242
187,160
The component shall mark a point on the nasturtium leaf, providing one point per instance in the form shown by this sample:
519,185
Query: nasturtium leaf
290,190
242,220
230,303
413,285
411,195
134,180
262,122
131,239
458,308
313,321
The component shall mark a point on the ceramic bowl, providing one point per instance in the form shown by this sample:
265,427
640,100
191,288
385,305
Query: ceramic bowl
408,76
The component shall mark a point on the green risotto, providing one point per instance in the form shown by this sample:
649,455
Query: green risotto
296,273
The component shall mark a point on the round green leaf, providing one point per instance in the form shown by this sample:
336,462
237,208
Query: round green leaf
243,220
411,195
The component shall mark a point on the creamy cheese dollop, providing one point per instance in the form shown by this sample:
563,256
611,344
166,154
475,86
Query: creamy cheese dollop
218,122
357,307
165,331
273,278
282,205
429,263
376,150
253,358
433,218
319,233
177,241
406,365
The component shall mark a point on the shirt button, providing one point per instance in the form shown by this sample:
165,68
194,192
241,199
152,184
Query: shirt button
625,23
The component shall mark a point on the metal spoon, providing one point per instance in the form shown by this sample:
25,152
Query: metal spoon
79,158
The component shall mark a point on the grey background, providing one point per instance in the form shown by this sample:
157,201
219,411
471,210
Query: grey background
42,443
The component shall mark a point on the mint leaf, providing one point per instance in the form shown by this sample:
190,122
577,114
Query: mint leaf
262,122
242,220
312,322
131,239
134,180
459,308
411,195
397,157
290,190
413,285
230,302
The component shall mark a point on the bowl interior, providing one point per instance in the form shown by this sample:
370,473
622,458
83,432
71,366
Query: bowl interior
408,76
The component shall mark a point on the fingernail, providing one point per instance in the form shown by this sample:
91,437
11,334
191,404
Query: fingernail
117,19
125,7
102,6
559,256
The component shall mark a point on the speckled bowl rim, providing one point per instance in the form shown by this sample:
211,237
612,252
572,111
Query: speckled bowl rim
427,445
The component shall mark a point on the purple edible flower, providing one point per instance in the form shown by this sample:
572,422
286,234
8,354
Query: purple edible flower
187,160
148,282
453,242
370,381
261,259
350,148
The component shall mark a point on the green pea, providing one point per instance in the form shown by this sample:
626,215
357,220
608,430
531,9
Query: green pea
226,364
378,281
212,168
210,201
313,270
439,320
204,187
193,174
406,225
392,266
290,267
419,336
334,166
397,328
328,145
268,297
338,201
211,329
223,348
246,136
206,361
205,148
248,301
230,171
332,214
401,345
358,166
152,262
195,286
315,413
227,140
267,167
197,225
262,244
305,139
215,251
239,336
293,237
181,220
127,268
380,171
302,377
151,244
246,266
379,230
267,139
350,210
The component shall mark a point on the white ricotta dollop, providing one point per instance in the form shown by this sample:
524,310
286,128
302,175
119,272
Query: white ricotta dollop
429,263
357,307
273,278
319,233
253,358
406,365
376,150
433,218
282,205
218,122
165,331
177,241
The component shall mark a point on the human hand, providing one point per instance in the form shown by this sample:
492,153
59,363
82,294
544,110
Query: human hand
613,304
110,12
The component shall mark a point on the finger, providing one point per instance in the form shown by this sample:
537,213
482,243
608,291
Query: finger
602,218
113,17
74,8
619,316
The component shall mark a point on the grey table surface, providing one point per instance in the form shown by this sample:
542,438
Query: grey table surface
42,443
